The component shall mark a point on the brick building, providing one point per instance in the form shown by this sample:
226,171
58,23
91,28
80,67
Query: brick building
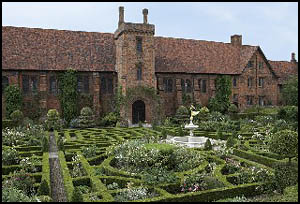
132,57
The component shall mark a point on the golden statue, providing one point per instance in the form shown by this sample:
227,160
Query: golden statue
193,113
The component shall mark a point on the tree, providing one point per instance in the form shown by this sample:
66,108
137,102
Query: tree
221,101
285,143
290,91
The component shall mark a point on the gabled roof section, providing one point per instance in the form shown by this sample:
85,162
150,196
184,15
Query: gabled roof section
48,49
284,69
196,56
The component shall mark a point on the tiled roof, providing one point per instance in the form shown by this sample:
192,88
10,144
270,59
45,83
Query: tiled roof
198,56
284,69
48,49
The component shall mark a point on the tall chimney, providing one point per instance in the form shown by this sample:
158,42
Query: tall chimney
121,15
293,59
236,40
145,13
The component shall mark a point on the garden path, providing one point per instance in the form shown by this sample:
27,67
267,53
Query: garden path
58,193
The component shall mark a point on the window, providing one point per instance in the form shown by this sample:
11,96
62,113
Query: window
168,85
106,86
110,85
260,65
235,98
139,73
5,83
53,89
103,86
261,100
139,47
29,84
249,100
280,88
83,84
202,85
261,82
250,80
234,81
182,85
188,86
250,63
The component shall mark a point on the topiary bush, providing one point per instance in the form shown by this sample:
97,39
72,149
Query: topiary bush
53,122
110,120
17,116
86,118
207,145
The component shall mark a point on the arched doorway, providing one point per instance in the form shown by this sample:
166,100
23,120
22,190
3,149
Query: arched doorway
138,112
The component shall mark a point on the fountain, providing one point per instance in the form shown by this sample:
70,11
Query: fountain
190,140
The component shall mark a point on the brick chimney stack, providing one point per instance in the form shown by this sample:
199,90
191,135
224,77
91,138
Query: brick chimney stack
145,13
121,15
293,59
236,40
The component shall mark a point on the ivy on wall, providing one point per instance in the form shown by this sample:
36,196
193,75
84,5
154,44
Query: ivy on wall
221,101
147,93
13,99
68,95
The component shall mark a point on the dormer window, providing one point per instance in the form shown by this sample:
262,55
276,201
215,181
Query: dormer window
139,47
250,64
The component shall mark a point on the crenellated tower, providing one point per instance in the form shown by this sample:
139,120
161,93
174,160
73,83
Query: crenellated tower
135,62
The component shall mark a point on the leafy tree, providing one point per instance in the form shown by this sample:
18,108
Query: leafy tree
285,143
290,91
221,101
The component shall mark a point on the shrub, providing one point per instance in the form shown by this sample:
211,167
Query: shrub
13,99
44,188
90,151
77,195
182,110
285,176
207,145
110,120
233,109
15,195
230,142
284,143
289,113
8,124
10,156
17,116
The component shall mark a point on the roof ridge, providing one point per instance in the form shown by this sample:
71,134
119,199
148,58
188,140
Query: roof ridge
30,28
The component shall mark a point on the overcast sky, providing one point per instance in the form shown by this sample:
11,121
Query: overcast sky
271,25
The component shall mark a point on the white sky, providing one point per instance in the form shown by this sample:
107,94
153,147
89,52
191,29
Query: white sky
271,25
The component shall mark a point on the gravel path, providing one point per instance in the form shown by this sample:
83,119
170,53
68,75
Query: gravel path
57,183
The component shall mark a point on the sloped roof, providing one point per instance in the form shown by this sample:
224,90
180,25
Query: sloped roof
284,69
199,56
47,49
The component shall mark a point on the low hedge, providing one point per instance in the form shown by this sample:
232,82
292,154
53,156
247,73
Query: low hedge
46,170
68,184
6,123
